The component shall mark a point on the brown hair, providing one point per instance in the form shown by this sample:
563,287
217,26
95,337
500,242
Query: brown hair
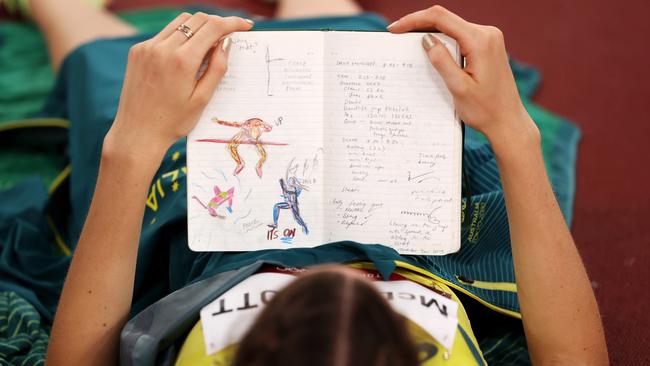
328,317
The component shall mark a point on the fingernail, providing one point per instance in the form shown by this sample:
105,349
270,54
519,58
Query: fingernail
225,46
428,41
392,24
249,21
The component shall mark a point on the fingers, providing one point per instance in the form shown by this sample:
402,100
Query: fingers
212,31
441,19
457,80
171,27
217,67
195,22
435,18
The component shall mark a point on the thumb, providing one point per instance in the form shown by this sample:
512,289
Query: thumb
455,78
215,70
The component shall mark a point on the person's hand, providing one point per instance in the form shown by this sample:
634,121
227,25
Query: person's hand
164,92
485,94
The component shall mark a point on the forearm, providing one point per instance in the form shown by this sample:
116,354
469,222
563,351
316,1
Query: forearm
98,290
558,307
226,123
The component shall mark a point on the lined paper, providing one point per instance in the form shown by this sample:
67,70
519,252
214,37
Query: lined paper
358,137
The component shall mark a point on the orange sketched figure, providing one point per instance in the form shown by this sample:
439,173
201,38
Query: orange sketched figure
250,132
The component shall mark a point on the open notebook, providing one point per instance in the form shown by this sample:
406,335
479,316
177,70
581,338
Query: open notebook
315,137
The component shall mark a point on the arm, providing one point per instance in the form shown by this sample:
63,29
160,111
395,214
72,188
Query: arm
558,308
226,123
161,101
283,186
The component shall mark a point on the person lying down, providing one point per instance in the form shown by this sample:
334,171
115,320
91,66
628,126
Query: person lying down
366,308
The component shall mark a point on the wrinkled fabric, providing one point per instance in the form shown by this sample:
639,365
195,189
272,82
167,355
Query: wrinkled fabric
23,336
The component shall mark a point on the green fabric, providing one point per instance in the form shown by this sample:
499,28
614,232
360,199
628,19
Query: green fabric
29,146
23,337
27,77
86,94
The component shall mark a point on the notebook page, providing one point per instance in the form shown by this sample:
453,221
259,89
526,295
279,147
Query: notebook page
393,144
262,126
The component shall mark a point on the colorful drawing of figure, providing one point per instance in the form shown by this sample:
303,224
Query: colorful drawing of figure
250,132
291,190
220,197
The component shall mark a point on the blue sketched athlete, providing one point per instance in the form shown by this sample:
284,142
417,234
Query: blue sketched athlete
291,189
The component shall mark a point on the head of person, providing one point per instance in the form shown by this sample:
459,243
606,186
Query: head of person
329,316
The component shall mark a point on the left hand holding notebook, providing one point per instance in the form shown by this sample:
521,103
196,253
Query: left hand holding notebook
166,85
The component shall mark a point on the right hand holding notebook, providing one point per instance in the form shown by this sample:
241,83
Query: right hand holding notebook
485,93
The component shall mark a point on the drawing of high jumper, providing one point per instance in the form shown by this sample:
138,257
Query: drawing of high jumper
250,133
291,190
220,197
